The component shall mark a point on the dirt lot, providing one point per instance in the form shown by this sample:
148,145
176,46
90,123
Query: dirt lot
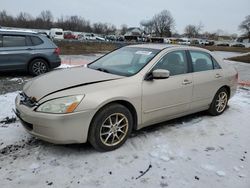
242,58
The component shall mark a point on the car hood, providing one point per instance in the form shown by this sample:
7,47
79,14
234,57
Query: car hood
60,80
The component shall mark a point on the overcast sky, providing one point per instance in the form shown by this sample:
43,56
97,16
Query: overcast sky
214,14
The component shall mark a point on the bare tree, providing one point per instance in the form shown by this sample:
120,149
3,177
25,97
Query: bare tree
24,20
245,26
193,30
124,29
104,28
6,19
46,19
161,24
148,26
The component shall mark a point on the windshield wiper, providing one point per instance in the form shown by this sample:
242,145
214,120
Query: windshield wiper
103,70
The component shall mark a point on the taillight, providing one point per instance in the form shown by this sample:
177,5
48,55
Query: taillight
57,51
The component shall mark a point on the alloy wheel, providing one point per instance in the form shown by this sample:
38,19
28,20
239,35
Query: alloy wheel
114,129
221,102
39,68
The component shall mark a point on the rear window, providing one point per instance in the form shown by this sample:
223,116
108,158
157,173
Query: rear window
59,33
36,41
13,41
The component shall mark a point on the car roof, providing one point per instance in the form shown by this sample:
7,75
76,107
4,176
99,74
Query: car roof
17,32
166,46
152,46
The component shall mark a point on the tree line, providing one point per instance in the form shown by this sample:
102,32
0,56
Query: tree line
45,20
161,24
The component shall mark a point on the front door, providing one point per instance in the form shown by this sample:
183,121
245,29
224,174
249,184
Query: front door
165,98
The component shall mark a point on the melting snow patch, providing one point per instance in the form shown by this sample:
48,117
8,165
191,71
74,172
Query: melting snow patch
163,153
208,167
221,173
34,166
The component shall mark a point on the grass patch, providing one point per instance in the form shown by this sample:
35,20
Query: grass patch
227,49
78,47
245,58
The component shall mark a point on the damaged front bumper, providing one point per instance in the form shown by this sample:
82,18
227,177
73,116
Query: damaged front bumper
54,128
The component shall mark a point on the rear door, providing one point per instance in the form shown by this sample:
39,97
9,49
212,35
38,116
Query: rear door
165,98
15,52
207,78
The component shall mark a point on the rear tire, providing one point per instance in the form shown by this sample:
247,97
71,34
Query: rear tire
219,102
110,127
38,67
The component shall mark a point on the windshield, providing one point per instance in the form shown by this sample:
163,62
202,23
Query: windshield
125,61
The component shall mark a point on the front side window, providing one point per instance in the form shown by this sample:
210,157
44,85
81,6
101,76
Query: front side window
125,61
175,62
14,41
201,61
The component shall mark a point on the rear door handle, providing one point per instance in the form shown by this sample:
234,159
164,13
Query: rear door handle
218,76
29,49
186,82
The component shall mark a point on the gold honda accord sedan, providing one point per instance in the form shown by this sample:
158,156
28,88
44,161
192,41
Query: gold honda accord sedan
125,90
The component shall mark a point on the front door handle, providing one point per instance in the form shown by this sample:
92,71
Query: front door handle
186,82
218,76
29,49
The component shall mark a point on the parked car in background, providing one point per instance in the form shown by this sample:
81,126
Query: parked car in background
27,51
184,41
56,34
222,44
99,38
69,35
210,43
203,42
238,45
89,36
127,89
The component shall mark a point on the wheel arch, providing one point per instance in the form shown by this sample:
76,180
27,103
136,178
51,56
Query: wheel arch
125,103
227,88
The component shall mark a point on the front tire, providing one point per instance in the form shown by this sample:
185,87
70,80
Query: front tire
38,67
219,102
110,127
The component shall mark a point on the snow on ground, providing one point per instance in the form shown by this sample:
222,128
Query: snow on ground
194,151
7,102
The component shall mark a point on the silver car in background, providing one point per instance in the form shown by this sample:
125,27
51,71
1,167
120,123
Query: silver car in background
127,89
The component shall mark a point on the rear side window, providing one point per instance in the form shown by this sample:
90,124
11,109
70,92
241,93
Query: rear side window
216,64
201,61
36,41
14,41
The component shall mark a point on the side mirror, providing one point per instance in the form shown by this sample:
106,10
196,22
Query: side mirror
160,74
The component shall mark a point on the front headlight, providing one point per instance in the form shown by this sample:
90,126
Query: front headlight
61,105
